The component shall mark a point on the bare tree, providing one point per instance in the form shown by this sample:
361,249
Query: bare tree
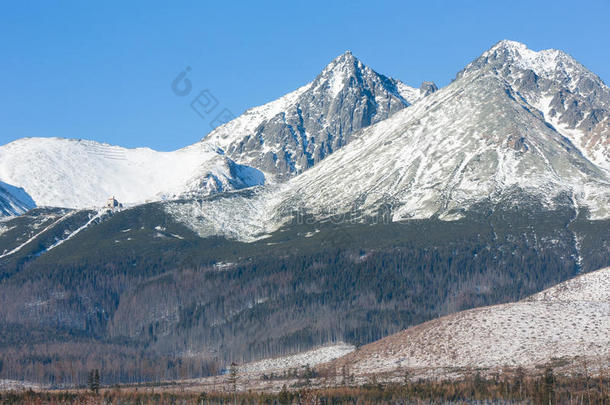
233,380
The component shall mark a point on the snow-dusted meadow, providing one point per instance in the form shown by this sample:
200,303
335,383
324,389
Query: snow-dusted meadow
567,325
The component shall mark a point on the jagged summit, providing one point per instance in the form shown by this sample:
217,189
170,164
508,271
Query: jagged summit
334,76
287,136
427,88
345,57
506,55
509,43
343,66
511,46
521,50
346,70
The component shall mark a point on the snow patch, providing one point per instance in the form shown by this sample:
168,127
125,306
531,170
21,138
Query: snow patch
311,358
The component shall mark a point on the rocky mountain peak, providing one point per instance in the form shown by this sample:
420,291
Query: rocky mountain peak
344,70
289,135
571,98
511,57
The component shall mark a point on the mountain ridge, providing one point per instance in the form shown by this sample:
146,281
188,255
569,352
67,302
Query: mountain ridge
276,139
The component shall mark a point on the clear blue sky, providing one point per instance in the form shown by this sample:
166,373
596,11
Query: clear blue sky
104,71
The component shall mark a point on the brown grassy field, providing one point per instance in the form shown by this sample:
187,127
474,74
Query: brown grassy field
516,387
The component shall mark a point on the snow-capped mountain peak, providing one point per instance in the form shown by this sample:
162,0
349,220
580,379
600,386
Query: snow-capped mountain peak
334,76
346,69
346,58
287,136
571,98
548,63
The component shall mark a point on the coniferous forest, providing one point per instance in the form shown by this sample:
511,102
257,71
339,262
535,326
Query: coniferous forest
166,308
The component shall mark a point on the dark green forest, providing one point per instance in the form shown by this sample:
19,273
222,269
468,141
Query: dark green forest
156,307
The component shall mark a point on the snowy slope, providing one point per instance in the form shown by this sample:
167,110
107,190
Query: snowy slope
14,200
78,173
32,229
570,321
14,385
236,129
291,134
251,376
591,287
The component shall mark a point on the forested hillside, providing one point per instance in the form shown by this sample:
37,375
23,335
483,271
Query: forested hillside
159,302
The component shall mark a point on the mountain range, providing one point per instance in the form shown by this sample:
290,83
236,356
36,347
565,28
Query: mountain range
512,121
348,210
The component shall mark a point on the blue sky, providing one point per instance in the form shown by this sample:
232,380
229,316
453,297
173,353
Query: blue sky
104,71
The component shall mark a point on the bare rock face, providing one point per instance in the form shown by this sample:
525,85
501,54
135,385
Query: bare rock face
289,135
427,88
